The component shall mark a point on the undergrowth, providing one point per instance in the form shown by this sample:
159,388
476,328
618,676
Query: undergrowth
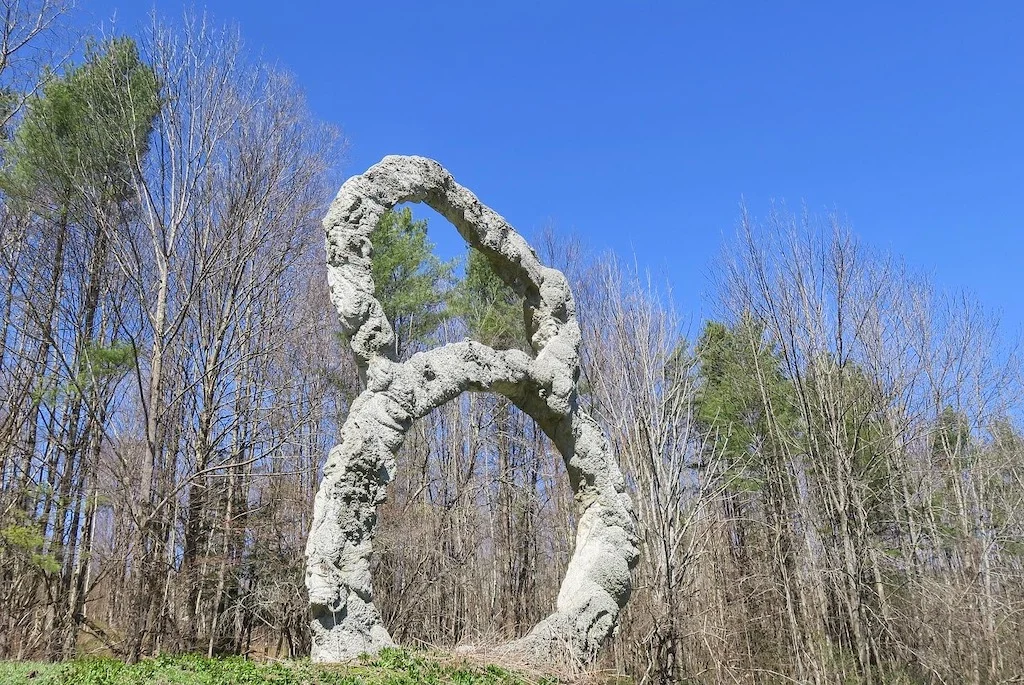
398,666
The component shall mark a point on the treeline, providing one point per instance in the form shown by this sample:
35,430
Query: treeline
827,477
167,344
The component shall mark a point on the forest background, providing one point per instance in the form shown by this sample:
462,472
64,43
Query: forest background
827,473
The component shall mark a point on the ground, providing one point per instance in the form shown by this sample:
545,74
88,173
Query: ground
390,666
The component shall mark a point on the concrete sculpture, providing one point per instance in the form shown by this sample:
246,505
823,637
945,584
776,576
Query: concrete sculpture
345,622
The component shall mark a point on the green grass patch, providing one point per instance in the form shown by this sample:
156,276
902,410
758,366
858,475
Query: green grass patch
397,666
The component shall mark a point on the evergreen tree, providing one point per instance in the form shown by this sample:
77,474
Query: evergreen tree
491,310
78,137
412,283
744,399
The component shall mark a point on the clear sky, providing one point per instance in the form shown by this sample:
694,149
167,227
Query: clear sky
641,125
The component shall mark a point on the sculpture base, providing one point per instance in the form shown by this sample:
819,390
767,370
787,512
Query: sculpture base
336,639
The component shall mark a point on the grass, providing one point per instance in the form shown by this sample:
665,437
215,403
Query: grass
398,666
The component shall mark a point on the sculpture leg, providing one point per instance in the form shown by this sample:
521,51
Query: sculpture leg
345,622
597,582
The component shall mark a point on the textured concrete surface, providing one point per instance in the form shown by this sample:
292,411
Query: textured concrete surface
597,582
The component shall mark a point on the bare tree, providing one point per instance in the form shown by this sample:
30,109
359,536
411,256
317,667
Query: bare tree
880,369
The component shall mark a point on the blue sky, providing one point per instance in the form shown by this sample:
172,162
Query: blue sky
642,125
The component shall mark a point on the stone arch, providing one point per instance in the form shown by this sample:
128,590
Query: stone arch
345,622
